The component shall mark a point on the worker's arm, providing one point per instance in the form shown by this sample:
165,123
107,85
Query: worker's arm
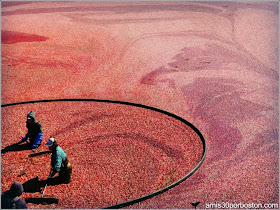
24,138
37,140
56,167
52,173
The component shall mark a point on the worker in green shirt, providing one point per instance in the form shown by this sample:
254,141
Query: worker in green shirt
59,162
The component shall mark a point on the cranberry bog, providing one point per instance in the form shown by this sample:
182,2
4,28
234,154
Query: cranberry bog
174,67
119,152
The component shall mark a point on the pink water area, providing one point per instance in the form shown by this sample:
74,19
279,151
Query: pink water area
120,9
13,3
12,37
215,64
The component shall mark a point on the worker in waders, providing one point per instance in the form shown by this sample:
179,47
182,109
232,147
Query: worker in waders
11,200
59,162
34,131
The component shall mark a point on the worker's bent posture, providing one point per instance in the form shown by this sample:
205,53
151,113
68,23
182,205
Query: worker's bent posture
59,162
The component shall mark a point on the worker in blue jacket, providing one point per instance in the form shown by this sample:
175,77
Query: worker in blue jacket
34,131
